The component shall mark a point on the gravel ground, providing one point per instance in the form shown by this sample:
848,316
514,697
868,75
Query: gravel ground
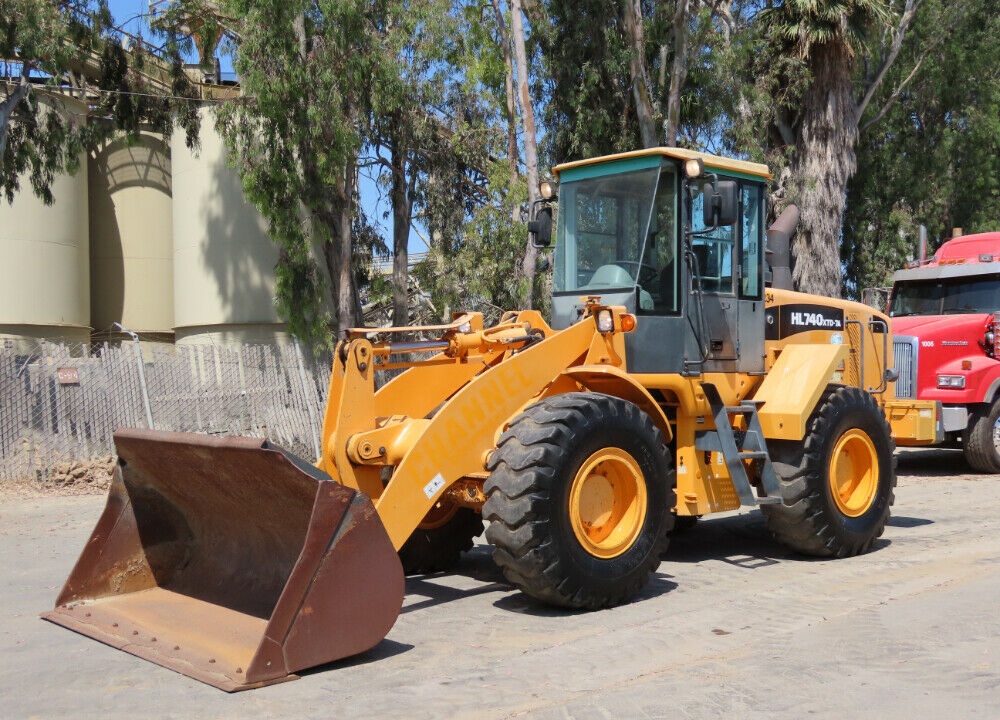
732,624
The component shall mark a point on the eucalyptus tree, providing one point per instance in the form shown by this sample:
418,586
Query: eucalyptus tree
307,70
622,74
427,127
471,200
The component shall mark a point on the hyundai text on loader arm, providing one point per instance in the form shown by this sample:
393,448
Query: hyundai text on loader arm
672,383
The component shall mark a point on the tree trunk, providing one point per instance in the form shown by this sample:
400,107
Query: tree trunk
530,143
512,153
347,306
402,205
824,161
639,74
678,73
8,106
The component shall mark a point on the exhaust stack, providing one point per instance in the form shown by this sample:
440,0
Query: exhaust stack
778,249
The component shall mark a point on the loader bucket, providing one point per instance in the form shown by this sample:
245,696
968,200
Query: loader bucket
232,562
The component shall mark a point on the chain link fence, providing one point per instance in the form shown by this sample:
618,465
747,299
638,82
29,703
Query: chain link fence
62,403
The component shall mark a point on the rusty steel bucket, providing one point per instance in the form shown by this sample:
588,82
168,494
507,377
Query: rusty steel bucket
232,562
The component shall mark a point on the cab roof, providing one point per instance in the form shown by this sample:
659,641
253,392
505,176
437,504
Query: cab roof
970,248
715,162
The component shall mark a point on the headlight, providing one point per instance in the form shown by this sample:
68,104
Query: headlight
694,168
605,321
953,382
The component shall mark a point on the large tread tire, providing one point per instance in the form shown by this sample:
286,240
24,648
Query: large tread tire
439,548
530,488
811,521
981,443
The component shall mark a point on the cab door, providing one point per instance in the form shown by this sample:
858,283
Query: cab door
725,302
750,289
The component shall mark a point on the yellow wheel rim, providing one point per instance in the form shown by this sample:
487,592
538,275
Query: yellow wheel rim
854,473
607,503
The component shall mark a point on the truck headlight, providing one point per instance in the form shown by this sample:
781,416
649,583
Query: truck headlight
953,382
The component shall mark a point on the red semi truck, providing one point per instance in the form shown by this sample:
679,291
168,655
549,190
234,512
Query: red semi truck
946,326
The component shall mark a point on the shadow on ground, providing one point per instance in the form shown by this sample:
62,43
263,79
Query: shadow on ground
931,462
385,649
741,540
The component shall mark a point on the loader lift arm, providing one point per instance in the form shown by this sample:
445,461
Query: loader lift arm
437,423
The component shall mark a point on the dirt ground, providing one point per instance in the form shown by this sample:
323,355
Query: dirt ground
732,625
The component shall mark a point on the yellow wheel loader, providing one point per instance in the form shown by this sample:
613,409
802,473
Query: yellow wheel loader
677,379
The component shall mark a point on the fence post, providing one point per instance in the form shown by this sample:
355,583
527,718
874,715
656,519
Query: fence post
314,430
142,374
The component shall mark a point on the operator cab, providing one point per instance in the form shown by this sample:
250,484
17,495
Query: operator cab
633,229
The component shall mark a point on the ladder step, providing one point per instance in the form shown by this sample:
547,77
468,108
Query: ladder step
737,445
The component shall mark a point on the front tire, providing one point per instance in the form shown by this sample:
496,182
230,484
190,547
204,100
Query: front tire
982,442
579,500
837,484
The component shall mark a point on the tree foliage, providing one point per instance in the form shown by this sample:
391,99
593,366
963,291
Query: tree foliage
933,159
54,51
307,70
874,115
473,193
816,90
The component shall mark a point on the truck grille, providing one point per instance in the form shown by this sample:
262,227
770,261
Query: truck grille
904,349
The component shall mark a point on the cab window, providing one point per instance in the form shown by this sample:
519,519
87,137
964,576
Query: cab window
751,231
714,251
659,259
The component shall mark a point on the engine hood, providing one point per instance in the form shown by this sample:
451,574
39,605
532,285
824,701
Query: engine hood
956,328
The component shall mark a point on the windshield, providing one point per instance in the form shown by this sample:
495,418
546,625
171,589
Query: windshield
602,227
946,296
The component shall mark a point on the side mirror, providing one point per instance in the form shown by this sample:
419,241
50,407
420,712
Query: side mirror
540,229
721,203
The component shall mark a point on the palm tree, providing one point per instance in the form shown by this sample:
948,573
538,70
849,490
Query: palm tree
829,38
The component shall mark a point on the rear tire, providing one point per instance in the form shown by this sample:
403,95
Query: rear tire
579,500
837,483
982,442
439,541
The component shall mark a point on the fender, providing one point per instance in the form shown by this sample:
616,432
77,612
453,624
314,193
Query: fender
612,380
991,392
794,385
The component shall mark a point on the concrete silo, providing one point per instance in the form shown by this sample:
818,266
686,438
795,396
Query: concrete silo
223,258
131,237
45,272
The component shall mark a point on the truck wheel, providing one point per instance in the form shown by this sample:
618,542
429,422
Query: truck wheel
436,545
579,500
982,443
837,484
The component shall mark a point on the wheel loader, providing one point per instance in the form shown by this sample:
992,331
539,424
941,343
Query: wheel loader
678,377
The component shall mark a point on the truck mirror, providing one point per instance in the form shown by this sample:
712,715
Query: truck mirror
540,229
721,203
